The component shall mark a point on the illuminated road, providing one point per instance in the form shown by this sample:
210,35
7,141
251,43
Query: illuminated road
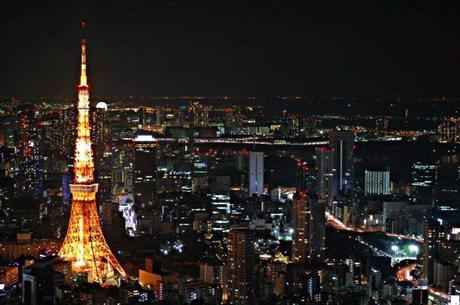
439,294
259,140
339,225
245,140
403,274
405,237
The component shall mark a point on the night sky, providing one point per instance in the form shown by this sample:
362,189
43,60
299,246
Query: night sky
217,47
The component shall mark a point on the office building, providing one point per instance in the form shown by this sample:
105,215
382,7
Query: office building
420,296
395,216
103,162
220,184
40,280
240,266
423,180
443,273
317,234
342,142
381,125
256,173
311,286
123,165
213,272
200,172
325,173
29,175
434,237
448,130
220,209
377,182
145,170
300,225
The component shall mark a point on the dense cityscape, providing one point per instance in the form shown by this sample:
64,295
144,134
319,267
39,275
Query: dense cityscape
236,200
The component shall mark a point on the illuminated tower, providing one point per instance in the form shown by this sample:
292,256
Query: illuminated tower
84,245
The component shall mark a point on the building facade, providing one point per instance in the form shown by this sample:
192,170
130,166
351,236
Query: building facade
256,173
240,264
377,182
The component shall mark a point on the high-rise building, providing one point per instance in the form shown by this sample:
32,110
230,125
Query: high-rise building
447,187
423,181
443,273
145,170
158,115
39,282
325,173
100,131
381,125
220,184
300,224
29,176
104,177
377,182
220,209
199,172
317,234
434,237
256,173
67,136
123,165
449,130
311,286
213,272
342,142
84,245
146,116
100,135
395,216
240,266
420,296
200,114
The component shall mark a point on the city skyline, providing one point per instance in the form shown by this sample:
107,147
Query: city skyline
230,200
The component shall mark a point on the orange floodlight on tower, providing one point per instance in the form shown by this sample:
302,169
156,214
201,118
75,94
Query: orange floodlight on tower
84,245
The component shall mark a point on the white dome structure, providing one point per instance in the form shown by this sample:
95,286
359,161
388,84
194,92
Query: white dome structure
102,105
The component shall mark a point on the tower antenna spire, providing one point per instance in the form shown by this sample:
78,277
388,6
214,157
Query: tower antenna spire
83,77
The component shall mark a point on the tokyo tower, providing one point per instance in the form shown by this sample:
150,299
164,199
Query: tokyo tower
84,245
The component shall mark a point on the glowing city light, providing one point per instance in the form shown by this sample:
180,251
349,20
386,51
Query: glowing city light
414,248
